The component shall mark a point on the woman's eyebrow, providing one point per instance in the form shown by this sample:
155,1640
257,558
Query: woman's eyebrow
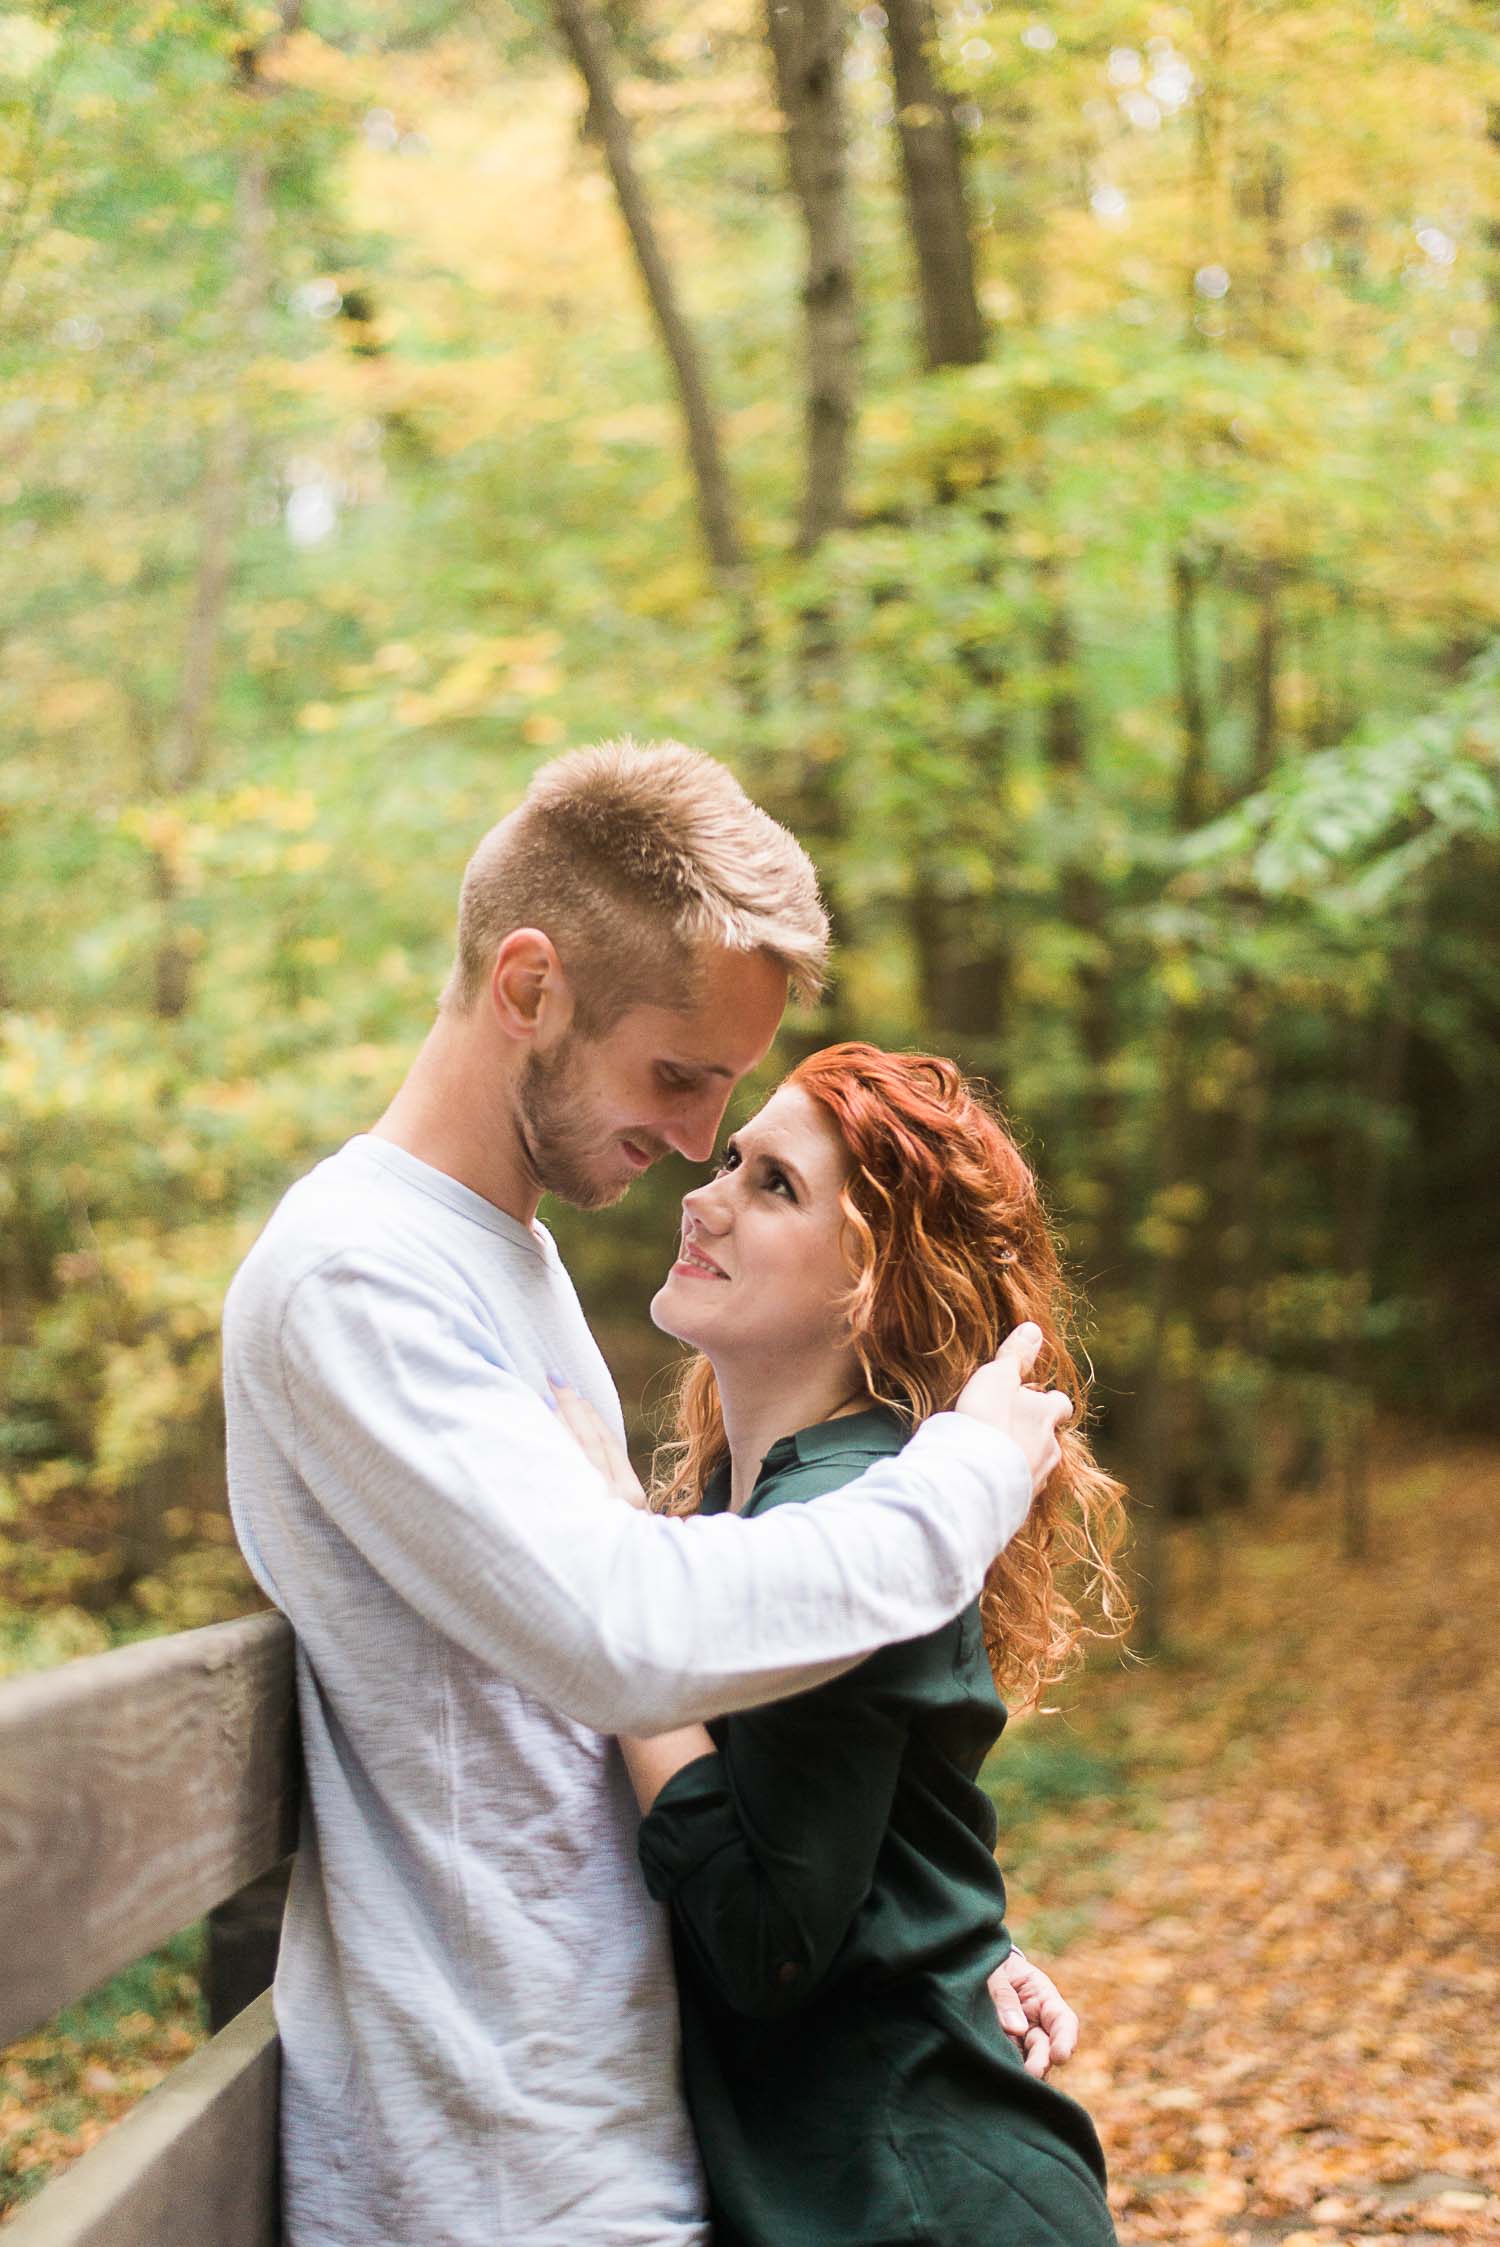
769,1155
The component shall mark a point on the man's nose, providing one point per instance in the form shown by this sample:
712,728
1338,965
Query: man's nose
693,1130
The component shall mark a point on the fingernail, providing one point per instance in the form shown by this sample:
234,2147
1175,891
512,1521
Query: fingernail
550,1402
558,1380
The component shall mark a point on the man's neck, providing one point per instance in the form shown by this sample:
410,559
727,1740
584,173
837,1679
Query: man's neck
772,1398
458,1118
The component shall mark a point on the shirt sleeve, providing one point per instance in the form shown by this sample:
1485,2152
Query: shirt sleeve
766,1851
463,1491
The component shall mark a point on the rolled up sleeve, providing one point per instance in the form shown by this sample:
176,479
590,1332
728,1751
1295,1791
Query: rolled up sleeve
766,1851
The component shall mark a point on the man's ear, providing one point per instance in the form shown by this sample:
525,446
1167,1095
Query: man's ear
531,997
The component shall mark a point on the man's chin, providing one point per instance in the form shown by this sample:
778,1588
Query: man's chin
592,1194
582,1192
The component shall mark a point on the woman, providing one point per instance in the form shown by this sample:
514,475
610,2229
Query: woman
870,1238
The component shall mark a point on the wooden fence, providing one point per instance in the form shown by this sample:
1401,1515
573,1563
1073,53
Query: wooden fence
138,1790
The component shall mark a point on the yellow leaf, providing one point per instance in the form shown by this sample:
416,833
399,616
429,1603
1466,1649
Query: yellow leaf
1178,981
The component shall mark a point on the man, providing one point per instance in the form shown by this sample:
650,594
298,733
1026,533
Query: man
475,1998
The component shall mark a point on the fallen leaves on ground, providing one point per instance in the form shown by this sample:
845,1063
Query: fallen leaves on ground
1289,1972
63,2088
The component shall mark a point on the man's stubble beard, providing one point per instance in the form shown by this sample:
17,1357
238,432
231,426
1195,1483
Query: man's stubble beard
555,1126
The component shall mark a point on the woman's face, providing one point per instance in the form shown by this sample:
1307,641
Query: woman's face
763,1266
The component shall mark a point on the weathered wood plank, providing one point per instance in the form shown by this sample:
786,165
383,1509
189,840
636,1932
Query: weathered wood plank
194,2165
137,1789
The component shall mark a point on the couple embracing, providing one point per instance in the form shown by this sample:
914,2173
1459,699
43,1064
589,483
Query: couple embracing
647,1896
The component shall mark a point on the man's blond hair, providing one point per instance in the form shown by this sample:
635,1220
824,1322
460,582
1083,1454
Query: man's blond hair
635,858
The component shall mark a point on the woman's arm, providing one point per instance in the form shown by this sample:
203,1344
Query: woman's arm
766,1851
651,1763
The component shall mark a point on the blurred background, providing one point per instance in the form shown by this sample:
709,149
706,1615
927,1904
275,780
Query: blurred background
1053,455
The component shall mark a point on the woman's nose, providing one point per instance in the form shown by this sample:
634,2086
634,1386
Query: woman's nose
702,1209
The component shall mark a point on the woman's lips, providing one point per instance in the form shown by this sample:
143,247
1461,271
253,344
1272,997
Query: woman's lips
690,1267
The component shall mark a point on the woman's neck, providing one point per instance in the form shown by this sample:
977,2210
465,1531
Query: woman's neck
764,1402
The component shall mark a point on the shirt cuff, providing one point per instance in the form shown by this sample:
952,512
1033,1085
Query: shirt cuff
691,1818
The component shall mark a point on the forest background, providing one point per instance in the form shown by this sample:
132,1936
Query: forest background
1054,456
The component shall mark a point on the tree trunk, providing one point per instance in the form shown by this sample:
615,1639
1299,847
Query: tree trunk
27,174
963,966
961,945
963,959
1084,902
1365,1171
580,29
183,750
1162,1373
1245,1459
1489,235
807,40
933,178
1209,236
1160,1377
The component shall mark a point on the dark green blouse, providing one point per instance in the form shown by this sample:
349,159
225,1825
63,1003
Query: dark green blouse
836,1912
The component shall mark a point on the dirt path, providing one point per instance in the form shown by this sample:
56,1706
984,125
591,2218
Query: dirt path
1291,1982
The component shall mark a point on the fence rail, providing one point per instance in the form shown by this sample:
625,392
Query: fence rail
138,1790
194,2165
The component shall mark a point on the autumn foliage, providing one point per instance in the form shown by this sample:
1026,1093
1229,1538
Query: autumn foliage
1280,1913
1051,454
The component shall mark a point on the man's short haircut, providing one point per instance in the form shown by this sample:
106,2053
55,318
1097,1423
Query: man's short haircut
635,858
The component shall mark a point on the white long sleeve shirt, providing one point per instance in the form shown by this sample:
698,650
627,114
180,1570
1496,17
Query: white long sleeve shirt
475,1997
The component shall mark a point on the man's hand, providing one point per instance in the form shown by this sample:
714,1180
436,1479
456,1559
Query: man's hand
1033,2013
599,1443
997,1394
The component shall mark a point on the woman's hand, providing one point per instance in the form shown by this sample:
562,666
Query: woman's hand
1033,2013
598,1442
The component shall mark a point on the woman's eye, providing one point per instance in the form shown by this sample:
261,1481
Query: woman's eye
729,1160
778,1182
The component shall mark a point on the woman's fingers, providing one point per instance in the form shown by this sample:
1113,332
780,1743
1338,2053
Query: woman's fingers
579,1422
599,1443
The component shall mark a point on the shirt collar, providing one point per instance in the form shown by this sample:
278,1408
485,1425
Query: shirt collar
876,1430
875,1433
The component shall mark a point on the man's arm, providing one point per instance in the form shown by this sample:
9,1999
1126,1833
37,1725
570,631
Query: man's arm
463,1491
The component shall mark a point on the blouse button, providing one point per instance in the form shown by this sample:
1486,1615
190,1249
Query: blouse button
787,1972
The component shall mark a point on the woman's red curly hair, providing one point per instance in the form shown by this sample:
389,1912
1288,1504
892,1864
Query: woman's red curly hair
950,1249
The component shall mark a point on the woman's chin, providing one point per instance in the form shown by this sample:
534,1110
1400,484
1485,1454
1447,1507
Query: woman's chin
668,1312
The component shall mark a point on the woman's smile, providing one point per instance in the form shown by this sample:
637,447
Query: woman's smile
694,1265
